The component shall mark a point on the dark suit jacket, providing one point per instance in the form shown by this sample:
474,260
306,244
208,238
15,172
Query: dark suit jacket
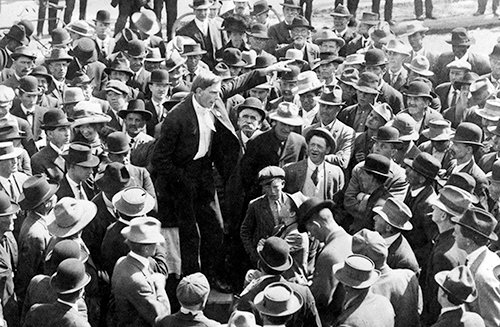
480,65
180,319
8,265
487,161
95,71
429,114
459,317
279,34
55,93
28,142
43,162
348,36
65,190
311,52
401,256
392,97
54,314
443,90
354,45
348,114
481,182
151,124
37,118
447,164
140,81
401,80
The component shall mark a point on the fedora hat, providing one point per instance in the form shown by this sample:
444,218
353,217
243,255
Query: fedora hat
287,113
193,289
85,50
7,206
159,76
24,51
491,110
260,7
439,130
41,71
420,65
69,277
468,133
192,50
292,75
326,58
494,129
201,4
81,28
370,244
235,24
103,16
54,118
406,126
464,182
413,27
133,201
377,164
452,200
478,221
333,98
341,11
354,59
119,64
278,299
349,76
374,57
264,61
275,253
87,112
36,190
387,134
136,49
460,36
29,85
369,18
299,22
308,208
136,107
117,87
154,55
424,164
73,95
143,230
222,70
241,319
233,58
295,55
9,130
308,81
114,178
118,143
258,30
368,83
70,216
383,110
397,46
18,33
60,37
494,174
357,272
80,79
381,33
291,4
8,151
323,133
81,155
459,283
253,104
467,79
396,213
249,57
146,21
328,35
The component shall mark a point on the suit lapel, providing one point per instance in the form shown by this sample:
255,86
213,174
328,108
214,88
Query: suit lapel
302,172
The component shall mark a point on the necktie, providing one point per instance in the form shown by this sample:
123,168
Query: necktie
314,176
132,141
454,98
13,193
79,192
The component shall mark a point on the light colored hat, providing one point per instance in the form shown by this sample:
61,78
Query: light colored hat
459,64
452,200
383,110
278,300
439,130
133,201
420,65
241,319
406,125
491,110
87,112
397,46
8,151
396,213
70,216
357,272
7,94
287,113
308,81
143,230
81,28
146,21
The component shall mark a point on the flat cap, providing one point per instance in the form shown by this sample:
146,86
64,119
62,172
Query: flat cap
269,173
193,289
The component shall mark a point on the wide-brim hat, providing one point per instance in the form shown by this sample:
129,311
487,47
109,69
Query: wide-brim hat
146,21
132,109
271,301
490,111
300,21
80,27
287,113
310,207
258,30
457,286
459,36
192,50
7,206
356,272
133,201
70,216
452,200
54,118
143,230
260,7
439,130
253,104
468,133
9,131
380,211
419,70
419,164
201,4
81,155
83,117
114,178
36,190
8,151
479,221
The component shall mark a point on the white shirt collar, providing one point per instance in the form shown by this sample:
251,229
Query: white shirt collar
143,260
202,26
417,191
244,138
72,305
193,312
461,166
471,257
389,240
329,126
56,149
452,308
312,165
25,110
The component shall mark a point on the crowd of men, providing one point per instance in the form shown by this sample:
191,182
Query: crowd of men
325,176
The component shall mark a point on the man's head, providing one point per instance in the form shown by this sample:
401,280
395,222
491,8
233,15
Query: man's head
261,92
57,127
201,8
102,23
136,54
23,60
330,104
347,82
375,62
475,228
375,172
142,235
495,61
7,95
380,115
258,37
240,6
135,117
460,41
300,31
43,77
117,94
367,89
451,202
8,158
456,287
158,85
397,53
457,70
467,141
394,217
422,170
416,34
288,83
494,179
341,16
206,88
309,87
8,213
386,141
193,54
418,97
250,116
371,245
80,161
272,180
192,291
285,118
277,303
28,91
320,142
328,41
291,9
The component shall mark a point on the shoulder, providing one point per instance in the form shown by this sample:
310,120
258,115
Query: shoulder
296,138
258,201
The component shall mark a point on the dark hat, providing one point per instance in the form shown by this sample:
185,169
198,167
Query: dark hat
275,253
24,51
192,50
28,27
468,133
420,65
460,36
357,272
264,61
81,155
7,207
439,130
464,182
377,164
326,58
41,71
494,174
146,21
114,178
193,289
73,95
159,76
459,283
369,18
396,213
291,3
173,62
496,51
118,143
308,208
452,200
406,125
278,299
387,134
414,27
254,104
291,75
103,16
323,133
326,34
300,21
341,11
54,118
9,130
222,70
60,37
381,33
269,173
425,164
85,50
18,33
58,54
136,107
232,57
260,7
66,249
136,49
119,64
368,83
201,4
80,79
236,23
333,98
36,190
349,76
29,85
375,57
478,221
69,277
259,31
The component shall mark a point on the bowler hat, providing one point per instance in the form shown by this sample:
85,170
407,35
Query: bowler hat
60,37
9,130
29,85
377,164
425,164
479,221
460,36
201,4
464,182
114,178
18,33
458,283
254,104
370,244
374,57
80,27
387,134
278,299
308,208
81,155
299,21
368,83
308,81
70,216
291,4
369,18
324,134
23,51
468,133
7,206
275,253
66,249
136,49
396,213
260,7
439,130
333,98
406,125
133,201
136,107
193,289
341,11
41,71
118,143
491,110
159,76
85,51
36,190
73,95
258,30
54,118
103,16
494,174
119,64
269,173
146,21
383,110
328,35
452,200
174,62
349,76
192,50
287,113
357,272
69,277
232,57
143,230
420,65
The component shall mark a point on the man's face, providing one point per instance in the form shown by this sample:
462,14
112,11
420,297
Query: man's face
136,63
249,121
88,131
365,99
59,136
299,35
440,146
102,28
201,14
119,157
437,214
192,62
8,166
260,94
416,105
290,13
395,60
262,19
288,89
175,74
150,65
28,100
58,69
380,225
416,41
81,173
87,90
456,75
374,121
340,23
460,150
308,101
459,50
240,7
119,76
326,71
257,43
23,66
328,113
413,178
134,124
329,46
385,149
273,189
363,29
348,92
282,130
317,149
5,108
116,100
42,84
207,97
236,37
478,97
460,240
7,223
377,70
158,90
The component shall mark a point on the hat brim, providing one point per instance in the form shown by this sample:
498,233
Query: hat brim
428,96
374,172
315,88
154,59
294,305
422,72
193,53
338,271
152,239
409,163
330,103
379,211
260,36
326,204
440,137
80,285
470,42
292,121
290,6
261,111
14,154
341,15
440,277
89,212
144,113
376,139
69,29
309,27
108,71
91,163
255,13
149,205
206,6
484,114
466,142
45,126
95,119
366,89
155,27
435,202
28,205
14,208
338,40
492,237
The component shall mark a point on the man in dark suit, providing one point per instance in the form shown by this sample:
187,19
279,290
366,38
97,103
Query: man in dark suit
196,134
460,42
158,85
391,221
438,145
171,9
279,33
341,17
23,62
300,30
78,183
85,59
396,74
57,65
486,162
136,53
449,92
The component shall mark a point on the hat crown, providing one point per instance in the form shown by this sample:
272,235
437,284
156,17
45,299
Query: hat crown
378,163
439,127
231,56
270,172
80,27
371,245
479,220
341,10
287,110
80,79
368,79
60,36
299,21
117,142
398,46
28,84
136,48
463,181
193,289
398,213
73,94
103,16
294,54
415,27
460,36
405,124
35,187
54,118
252,102
18,32
154,53
357,270
492,108
369,17
308,81
132,200
277,297
79,152
454,198
291,75
145,230
146,21
426,164
354,59
350,75
159,76
375,57
65,249
383,110
468,132
136,104
222,70
191,48
120,63
8,130
264,61
460,283
68,211
70,275
420,63
291,3
333,98
387,133
275,252
249,57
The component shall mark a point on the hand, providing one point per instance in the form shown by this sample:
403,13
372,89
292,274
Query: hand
360,156
280,66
